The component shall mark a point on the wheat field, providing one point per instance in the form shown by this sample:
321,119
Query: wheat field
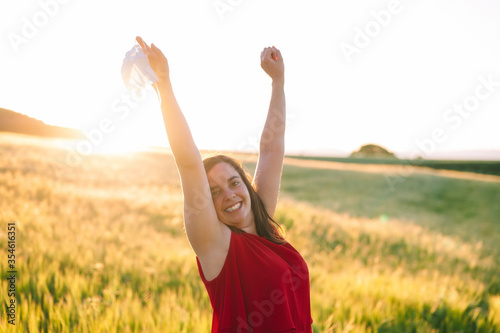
100,245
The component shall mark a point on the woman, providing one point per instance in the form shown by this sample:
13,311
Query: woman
256,281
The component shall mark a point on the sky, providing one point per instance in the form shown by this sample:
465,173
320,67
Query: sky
418,77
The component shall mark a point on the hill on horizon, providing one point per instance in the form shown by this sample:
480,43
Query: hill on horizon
372,151
14,122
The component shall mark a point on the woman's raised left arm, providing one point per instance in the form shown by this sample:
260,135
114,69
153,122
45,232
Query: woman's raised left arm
267,176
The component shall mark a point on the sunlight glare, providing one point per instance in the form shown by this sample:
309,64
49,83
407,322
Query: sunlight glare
119,143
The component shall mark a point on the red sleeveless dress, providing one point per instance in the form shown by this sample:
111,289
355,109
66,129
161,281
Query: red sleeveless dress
262,287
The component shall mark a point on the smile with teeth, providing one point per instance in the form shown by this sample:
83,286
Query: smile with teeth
233,207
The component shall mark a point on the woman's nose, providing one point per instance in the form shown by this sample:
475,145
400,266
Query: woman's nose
228,194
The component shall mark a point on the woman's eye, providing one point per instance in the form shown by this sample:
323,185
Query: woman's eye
235,184
215,193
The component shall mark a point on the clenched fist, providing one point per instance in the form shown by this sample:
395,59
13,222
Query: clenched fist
271,62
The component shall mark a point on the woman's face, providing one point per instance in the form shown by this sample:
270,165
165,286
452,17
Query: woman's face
230,196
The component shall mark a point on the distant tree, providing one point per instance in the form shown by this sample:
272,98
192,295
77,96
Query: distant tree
372,151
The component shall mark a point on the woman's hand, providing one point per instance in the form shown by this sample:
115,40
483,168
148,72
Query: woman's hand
271,62
157,60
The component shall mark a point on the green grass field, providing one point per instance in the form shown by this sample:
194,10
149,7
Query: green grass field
484,167
100,246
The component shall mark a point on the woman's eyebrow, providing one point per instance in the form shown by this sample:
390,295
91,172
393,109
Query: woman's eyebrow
233,177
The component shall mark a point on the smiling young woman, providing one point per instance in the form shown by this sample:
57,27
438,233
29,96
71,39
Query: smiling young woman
255,279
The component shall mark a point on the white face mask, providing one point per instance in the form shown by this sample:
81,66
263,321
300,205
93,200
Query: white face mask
137,73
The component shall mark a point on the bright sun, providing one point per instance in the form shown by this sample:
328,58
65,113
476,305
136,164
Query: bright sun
135,134
118,143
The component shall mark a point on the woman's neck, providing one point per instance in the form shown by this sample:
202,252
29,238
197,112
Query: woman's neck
250,229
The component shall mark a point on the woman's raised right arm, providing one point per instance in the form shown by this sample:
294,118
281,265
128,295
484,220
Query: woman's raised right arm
185,152
203,228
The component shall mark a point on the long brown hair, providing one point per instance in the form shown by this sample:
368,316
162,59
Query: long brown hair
265,225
